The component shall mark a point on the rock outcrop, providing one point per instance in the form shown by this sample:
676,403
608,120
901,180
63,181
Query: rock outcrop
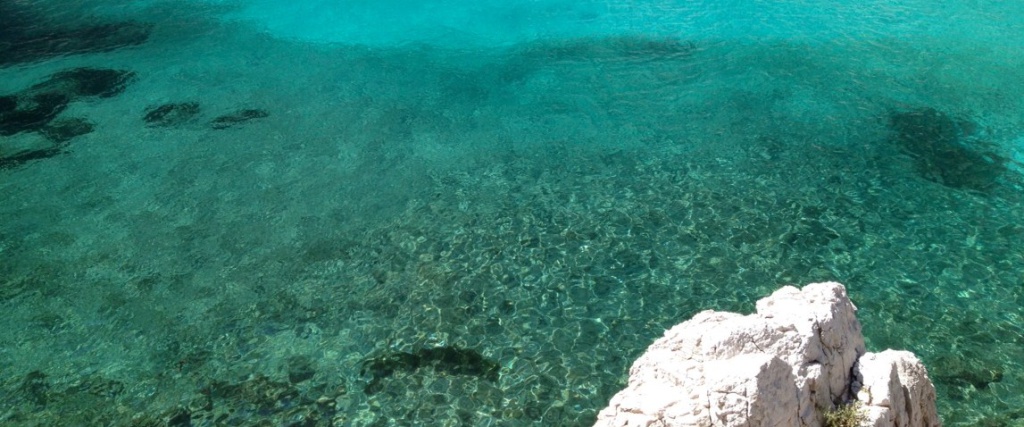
799,356
895,390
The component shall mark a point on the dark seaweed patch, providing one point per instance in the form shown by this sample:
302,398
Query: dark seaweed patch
441,360
30,112
942,152
238,117
959,371
62,131
534,56
17,19
28,33
170,114
612,48
35,388
8,103
34,109
84,82
300,368
625,47
22,157
25,44
259,392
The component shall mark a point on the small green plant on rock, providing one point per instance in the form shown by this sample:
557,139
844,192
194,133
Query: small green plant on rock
847,415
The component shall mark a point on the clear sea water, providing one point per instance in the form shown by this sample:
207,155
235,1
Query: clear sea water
478,213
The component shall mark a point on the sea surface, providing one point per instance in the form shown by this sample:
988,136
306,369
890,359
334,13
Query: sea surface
479,213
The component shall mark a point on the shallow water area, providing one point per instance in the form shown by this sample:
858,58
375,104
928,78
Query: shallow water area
480,213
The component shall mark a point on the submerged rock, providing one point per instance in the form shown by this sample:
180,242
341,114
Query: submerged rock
800,355
896,390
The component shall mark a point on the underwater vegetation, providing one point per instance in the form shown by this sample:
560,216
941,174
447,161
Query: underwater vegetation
978,373
26,36
84,82
238,117
36,108
612,48
531,57
59,133
29,112
441,360
63,130
179,113
172,114
943,152
256,398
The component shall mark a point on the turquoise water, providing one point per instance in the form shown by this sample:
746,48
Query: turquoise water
468,213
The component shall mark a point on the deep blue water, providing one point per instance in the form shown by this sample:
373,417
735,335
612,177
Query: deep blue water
479,213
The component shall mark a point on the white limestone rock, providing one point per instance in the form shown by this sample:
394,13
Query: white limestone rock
895,390
751,389
782,366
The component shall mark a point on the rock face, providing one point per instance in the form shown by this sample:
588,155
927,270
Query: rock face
895,390
797,357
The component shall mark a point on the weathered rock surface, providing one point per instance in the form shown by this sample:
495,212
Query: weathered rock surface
896,390
782,366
